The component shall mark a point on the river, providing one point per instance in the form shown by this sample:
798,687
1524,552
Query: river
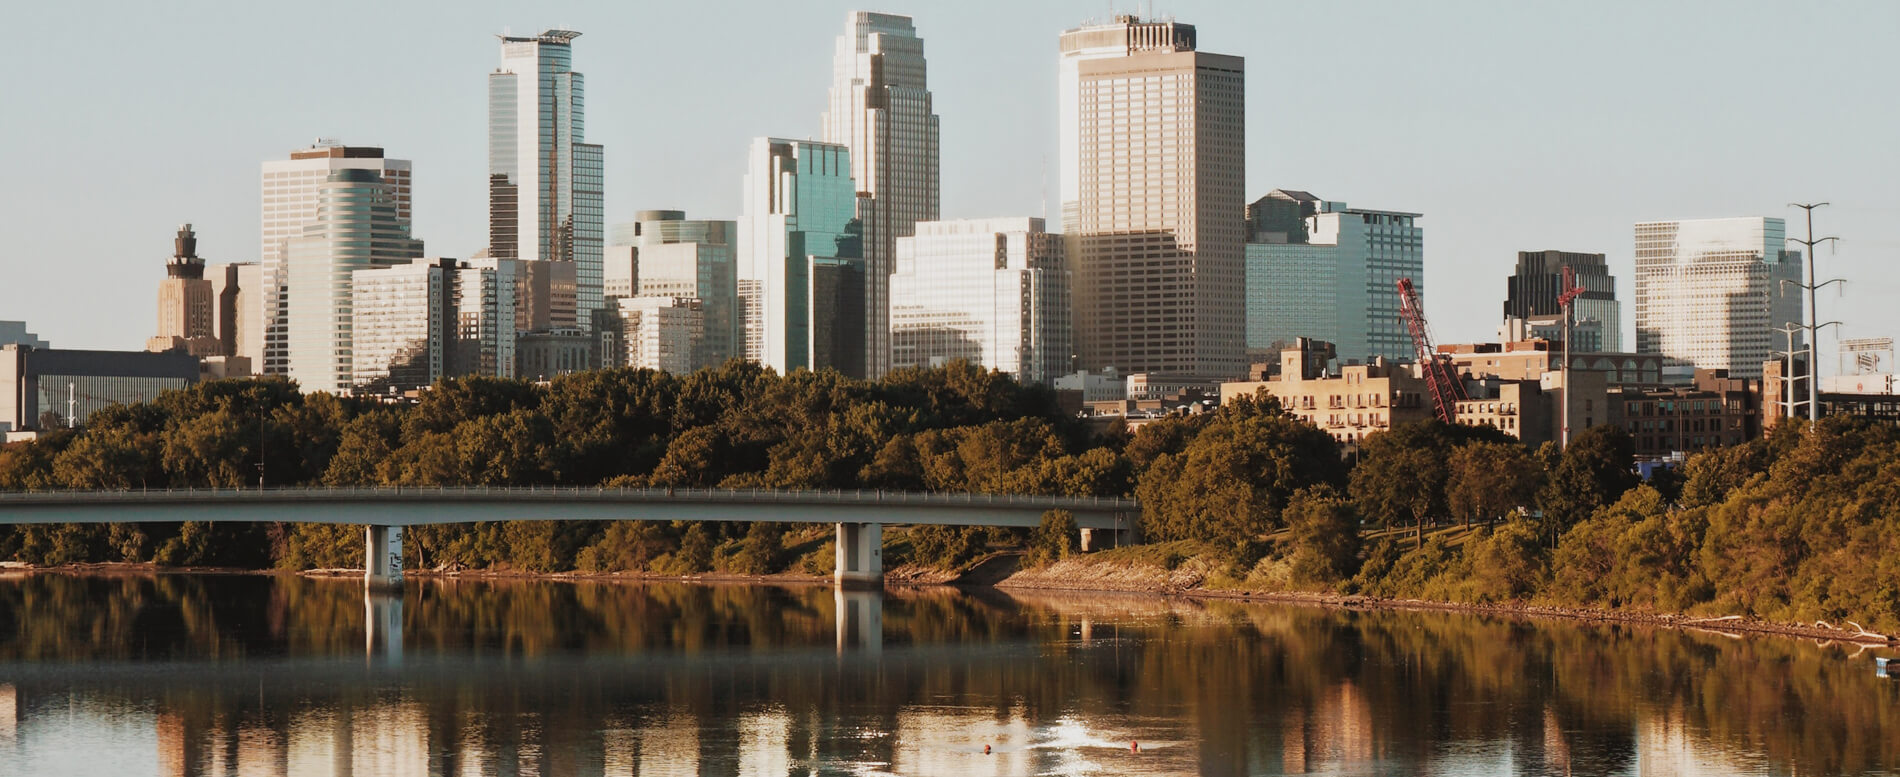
258,675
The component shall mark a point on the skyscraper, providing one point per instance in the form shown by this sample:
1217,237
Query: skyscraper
400,336
290,196
1532,292
1154,166
665,254
992,291
187,304
799,240
544,182
1709,293
1322,270
880,109
358,226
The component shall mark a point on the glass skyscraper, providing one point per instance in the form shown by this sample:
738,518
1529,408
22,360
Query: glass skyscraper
544,182
1709,293
357,227
665,254
880,109
1321,270
992,291
1532,291
800,220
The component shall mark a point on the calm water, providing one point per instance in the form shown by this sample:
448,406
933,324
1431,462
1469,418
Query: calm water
240,675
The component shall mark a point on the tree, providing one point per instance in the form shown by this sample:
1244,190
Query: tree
1054,539
1402,474
1324,531
1489,480
1594,471
1231,482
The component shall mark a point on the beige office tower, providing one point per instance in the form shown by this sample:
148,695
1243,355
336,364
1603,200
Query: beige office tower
290,189
1154,166
356,227
880,109
187,306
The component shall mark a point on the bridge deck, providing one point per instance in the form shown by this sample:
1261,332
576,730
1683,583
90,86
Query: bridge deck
419,506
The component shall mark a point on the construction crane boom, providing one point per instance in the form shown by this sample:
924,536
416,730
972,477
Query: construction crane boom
1435,368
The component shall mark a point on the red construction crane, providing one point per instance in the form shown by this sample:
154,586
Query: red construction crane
1568,294
1444,385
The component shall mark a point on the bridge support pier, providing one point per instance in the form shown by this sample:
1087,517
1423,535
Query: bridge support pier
382,557
1103,539
860,555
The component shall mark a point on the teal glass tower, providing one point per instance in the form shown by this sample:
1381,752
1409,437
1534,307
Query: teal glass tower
801,257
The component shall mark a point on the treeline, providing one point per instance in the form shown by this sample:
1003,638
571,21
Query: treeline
1797,526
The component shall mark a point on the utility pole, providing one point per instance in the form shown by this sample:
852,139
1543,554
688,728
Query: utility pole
1814,353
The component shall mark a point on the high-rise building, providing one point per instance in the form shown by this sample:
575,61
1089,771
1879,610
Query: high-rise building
246,335
1532,292
800,227
992,291
1709,293
544,182
1154,166
359,225
665,254
1323,271
290,199
656,333
187,305
400,338
14,333
880,109
484,315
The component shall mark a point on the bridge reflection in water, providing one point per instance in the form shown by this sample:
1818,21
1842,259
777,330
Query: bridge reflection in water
203,675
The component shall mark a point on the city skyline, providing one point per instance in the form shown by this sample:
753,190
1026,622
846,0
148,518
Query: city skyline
1622,155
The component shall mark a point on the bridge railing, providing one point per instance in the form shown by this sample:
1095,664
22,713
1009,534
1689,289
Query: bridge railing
558,493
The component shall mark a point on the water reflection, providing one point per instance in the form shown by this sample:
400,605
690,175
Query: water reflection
235,675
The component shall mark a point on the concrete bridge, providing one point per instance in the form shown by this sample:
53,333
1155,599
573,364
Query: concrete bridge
858,515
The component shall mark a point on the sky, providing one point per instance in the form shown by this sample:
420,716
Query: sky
1511,126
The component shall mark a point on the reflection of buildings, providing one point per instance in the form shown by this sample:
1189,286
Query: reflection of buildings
1337,732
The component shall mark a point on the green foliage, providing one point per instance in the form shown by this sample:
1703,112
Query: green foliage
1056,538
1487,481
1594,471
1324,536
1232,479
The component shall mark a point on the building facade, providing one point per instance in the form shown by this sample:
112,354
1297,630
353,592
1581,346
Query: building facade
1709,293
291,195
1356,401
1716,411
1321,270
400,326
657,333
551,353
994,292
45,388
800,222
544,181
358,225
1154,162
879,108
665,254
1533,289
14,333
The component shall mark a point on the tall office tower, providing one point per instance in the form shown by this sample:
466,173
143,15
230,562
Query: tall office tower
1154,163
248,312
359,225
880,109
992,291
544,183
485,315
1709,293
669,255
290,203
1532,292
399,333
187,308
1321,270
798,235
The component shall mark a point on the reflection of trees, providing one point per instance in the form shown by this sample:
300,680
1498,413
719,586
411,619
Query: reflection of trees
568,678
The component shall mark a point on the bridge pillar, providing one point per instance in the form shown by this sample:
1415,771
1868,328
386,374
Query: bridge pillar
860,555
1103,539
382,556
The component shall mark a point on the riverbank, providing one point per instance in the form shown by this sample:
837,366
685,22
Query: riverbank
1082,575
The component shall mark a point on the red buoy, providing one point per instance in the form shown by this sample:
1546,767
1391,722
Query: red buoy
986,749
1133,746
